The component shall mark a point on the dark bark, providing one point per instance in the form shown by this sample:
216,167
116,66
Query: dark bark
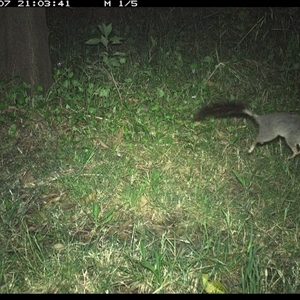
24,46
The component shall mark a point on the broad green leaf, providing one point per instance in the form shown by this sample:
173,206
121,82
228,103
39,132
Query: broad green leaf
212,287
115,40
94,41
104,41
160,92
122,60
108,216
241,180
105,30
119,53
95,210
148,266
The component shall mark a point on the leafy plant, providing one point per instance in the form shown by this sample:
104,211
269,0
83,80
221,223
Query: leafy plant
156,268
110,58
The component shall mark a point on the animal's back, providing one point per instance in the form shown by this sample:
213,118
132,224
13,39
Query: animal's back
279,124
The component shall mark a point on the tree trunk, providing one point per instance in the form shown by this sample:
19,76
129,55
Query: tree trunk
24,46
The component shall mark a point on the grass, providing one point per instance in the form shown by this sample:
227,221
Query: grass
107,184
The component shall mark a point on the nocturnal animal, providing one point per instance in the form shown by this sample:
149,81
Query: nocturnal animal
283,124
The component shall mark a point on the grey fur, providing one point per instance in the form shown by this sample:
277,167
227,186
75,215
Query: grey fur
286,125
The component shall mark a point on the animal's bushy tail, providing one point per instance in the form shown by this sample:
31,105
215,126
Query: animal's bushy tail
225,109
